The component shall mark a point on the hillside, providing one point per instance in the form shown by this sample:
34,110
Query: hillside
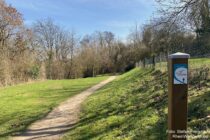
135,106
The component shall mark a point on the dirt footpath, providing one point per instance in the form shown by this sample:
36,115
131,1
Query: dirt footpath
61,119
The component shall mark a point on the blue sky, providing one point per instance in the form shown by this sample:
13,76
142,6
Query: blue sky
87,16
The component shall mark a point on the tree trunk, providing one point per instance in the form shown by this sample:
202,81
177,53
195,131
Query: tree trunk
144,63
153,61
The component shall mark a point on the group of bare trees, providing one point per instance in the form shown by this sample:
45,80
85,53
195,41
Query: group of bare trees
48,51
101,53
65,55
192,15
180,25
55,48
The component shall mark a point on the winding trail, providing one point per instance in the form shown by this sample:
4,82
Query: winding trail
61,119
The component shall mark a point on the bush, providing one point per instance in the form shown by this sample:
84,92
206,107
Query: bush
34,72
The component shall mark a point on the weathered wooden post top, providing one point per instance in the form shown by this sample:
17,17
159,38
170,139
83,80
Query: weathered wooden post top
177,93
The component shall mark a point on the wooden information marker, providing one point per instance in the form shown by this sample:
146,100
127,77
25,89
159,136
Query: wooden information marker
177,93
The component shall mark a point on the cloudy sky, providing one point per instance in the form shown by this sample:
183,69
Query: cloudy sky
87,16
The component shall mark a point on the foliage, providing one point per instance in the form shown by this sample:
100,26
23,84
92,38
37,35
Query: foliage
34,72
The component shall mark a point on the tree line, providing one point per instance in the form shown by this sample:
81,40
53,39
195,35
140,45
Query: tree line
47,51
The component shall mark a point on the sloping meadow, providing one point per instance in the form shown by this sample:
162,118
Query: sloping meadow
135,106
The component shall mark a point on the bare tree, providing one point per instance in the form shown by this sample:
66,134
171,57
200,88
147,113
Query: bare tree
47,38
10,24
71,49
191,13
11,19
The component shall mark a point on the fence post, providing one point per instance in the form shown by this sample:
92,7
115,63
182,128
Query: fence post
177,95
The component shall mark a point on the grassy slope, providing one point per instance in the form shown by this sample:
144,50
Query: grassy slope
20,105
135,107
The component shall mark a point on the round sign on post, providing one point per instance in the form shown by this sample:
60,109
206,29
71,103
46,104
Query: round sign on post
177,93
180,73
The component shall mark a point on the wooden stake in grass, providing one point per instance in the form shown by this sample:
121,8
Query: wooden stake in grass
177,92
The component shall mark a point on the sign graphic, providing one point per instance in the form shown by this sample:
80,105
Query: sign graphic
180,73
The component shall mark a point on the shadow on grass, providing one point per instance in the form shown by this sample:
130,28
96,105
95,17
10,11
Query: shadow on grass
132,113
20,127
47,132
198,112
53,98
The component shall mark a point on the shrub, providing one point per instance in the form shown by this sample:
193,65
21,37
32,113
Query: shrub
34,72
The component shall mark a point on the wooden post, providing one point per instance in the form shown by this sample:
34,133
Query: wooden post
177,95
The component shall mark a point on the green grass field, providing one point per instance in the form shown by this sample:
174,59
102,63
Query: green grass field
23,104
134,107
193,63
